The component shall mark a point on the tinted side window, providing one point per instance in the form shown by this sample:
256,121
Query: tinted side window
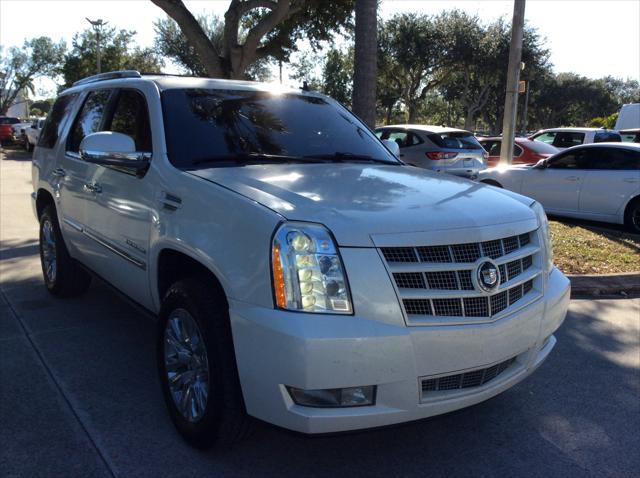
566,140
56,121
614,159
545,138
572,160
89,119
517,150
131,117
607,137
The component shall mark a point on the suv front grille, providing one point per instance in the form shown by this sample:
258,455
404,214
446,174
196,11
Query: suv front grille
475,378
436,282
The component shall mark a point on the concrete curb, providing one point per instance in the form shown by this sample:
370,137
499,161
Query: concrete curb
605,284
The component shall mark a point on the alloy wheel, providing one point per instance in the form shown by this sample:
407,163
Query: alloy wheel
186,365
48,247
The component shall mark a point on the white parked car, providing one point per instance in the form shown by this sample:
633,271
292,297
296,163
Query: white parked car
32,133
600,182
563,138
301,274
440,149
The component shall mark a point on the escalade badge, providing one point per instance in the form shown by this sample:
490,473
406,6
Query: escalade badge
488,276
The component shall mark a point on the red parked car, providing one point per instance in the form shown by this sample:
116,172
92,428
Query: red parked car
6,133
525,151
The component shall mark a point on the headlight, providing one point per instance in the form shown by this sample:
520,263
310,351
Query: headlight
307,271
543,223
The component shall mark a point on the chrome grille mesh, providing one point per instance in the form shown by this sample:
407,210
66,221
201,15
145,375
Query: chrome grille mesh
444,286
475,378
483,306
445,280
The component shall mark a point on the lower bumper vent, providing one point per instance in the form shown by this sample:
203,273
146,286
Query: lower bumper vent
476,378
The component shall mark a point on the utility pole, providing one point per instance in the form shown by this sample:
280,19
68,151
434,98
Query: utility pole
524,109
97,28
513,76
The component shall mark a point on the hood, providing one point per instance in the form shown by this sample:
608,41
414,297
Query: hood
356,201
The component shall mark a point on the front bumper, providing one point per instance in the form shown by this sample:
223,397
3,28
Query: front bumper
275,349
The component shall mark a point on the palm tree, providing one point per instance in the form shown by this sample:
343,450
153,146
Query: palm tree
365,68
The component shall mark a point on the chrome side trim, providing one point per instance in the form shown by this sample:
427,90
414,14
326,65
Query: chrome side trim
116,250
73,224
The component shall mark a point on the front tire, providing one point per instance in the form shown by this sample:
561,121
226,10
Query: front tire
632,216
63,277
197,366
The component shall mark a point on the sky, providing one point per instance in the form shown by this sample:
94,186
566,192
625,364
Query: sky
593,38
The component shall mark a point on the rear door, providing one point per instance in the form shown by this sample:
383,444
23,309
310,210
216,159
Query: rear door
612,179
558,186
409,143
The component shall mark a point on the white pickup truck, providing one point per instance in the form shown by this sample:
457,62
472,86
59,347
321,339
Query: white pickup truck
301,274
32,133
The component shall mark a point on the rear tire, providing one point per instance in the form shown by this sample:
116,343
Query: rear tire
190,309
632,216
63,276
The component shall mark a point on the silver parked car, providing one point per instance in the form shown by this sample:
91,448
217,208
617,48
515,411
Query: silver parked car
444,150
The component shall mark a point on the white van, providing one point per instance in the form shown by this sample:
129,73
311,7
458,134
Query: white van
629,117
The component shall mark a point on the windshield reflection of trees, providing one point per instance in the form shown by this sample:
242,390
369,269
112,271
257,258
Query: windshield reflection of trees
244,117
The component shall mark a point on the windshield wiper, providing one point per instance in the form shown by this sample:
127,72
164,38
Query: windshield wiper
244,158
340,157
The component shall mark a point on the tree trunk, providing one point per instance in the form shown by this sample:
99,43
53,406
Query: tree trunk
412,109
365,67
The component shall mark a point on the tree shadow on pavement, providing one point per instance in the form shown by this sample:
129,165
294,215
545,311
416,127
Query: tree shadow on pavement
15,153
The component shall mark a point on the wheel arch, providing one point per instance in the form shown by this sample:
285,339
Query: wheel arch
173,265
626,207
43,199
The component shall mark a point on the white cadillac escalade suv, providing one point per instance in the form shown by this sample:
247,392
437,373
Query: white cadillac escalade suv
301,274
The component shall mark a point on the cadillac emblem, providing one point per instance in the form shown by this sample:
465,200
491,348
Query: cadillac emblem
488,276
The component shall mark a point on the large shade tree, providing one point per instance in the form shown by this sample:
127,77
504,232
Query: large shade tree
19,67
256,30
117,51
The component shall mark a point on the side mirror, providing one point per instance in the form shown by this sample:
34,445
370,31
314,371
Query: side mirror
392,146
113,149
542,164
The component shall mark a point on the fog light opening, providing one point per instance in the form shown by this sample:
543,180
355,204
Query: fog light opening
334,397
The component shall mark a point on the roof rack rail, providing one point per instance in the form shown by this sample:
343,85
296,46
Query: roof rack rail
110,75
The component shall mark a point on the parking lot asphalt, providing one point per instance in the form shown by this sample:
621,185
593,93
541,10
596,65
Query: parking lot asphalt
79,394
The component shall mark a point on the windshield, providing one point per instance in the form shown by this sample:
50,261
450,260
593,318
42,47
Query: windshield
455,140
540,148
210,127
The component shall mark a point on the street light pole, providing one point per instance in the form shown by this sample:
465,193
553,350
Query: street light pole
97,28
513,76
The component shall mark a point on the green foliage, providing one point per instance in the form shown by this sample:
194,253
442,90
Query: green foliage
43,105
117,53
608,122
20,66
337,76
170,42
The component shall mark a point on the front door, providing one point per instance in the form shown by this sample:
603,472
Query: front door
71,176
557,187
120,212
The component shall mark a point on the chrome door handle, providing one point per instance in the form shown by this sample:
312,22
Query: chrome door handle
61,173
93,188
572,178
631,180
